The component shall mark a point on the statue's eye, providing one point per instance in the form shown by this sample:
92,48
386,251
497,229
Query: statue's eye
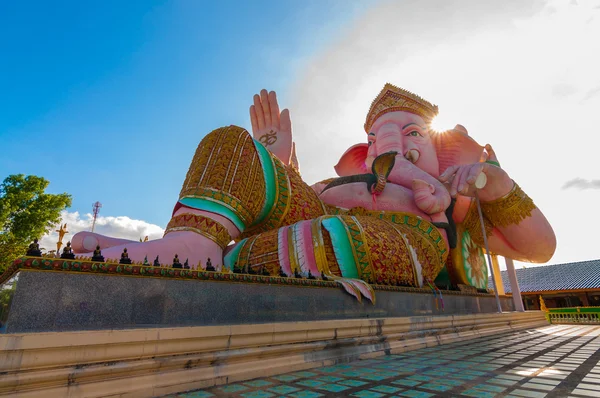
414,133
370,142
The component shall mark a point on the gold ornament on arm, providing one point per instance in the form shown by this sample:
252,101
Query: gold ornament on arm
473,225
510,209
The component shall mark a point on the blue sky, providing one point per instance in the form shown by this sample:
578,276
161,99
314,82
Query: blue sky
108,100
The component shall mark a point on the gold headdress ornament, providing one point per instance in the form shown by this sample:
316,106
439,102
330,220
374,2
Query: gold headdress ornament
392,99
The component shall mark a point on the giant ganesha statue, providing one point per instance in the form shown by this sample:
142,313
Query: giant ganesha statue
402,209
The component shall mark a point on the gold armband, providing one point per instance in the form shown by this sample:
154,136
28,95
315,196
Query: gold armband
201,225
510,209
472,224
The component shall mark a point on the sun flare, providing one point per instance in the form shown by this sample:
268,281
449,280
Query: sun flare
439,124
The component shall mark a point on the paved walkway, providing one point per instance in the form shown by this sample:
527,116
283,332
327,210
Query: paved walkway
554,361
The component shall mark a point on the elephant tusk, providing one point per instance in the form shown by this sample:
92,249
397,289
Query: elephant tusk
412,156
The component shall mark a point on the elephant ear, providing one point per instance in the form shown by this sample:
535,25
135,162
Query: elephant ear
455,147
352,161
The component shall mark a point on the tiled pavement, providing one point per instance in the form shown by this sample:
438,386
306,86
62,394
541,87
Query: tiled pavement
554,361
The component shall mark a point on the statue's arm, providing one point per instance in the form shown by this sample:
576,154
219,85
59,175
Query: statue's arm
515,229
515,226
531,240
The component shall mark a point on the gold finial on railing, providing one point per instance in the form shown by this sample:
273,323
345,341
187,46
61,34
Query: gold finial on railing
61,234
225,270
543,305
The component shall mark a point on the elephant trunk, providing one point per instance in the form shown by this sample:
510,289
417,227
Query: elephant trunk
425,199
431,196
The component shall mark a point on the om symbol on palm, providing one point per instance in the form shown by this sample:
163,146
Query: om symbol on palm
268,139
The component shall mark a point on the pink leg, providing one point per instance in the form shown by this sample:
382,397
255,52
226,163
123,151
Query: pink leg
186,244
84,242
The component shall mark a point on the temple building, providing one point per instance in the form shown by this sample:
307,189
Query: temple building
560,285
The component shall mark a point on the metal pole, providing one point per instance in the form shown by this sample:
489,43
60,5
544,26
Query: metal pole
514,284
487,251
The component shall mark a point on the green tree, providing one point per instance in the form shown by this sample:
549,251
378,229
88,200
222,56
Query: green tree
26,213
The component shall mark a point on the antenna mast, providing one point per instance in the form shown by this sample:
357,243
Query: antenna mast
96,209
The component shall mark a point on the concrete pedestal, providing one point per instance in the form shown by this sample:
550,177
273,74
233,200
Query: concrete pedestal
49,301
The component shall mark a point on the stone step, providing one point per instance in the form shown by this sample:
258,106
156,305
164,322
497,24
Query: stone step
159,361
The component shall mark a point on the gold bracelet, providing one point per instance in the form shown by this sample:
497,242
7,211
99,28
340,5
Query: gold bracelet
201,225
510,209
472,224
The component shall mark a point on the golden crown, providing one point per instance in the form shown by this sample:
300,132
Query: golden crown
392,99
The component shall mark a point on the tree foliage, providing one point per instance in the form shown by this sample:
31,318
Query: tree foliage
26,213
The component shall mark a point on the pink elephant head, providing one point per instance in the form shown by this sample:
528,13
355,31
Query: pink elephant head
398,122
440,150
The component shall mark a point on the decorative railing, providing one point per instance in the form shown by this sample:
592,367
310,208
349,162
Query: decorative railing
86,266
580,315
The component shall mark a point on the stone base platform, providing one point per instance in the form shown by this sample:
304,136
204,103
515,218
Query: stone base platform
158,361
59,298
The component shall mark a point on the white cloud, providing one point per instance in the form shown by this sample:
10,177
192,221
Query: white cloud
521,76
581,183
116,227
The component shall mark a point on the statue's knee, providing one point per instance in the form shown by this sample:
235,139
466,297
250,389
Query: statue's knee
215,156
229,132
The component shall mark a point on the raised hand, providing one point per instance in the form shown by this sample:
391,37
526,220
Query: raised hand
272,128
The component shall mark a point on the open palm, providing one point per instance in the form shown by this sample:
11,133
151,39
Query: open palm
272,128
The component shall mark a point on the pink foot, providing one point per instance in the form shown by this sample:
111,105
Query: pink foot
187,245
84,242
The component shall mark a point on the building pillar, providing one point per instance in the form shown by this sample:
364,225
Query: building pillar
514,284
497,275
